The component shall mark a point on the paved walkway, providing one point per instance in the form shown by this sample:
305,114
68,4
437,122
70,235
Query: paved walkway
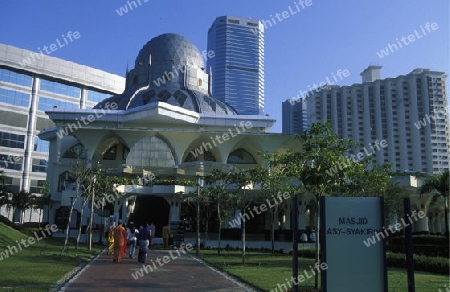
181,272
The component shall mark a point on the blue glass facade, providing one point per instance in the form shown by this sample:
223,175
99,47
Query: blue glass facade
295,116
16,78
41,145
96,96
14,97
12,140
238,63
60,88
46,104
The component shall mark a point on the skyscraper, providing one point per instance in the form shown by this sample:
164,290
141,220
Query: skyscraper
238,63
409,112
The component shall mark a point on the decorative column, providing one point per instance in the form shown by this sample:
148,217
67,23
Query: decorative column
421,224
31,129
83,98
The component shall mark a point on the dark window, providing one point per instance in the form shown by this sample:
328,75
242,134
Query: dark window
11,162
11,140
111,153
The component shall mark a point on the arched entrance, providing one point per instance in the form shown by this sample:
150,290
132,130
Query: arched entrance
151,209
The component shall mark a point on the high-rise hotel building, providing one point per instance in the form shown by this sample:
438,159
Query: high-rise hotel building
30,84
409,112
237,63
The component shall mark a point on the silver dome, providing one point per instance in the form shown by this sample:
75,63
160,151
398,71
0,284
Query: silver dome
170,69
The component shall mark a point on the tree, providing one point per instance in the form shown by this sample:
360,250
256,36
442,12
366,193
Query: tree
78,175
91,181
4,194
322,166
40,202
223,199
95,185
105,188
242,181
20,202
439,184
207,199
273,182
393,196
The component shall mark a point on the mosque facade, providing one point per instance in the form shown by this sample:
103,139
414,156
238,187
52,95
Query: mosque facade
166,125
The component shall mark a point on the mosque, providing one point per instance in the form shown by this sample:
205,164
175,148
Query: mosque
165,126
166,131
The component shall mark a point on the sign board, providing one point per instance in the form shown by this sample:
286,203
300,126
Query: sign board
354,262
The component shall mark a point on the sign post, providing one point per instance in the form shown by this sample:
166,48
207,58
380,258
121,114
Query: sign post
353,245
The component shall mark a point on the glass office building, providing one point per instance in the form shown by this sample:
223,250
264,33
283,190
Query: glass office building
30,84
236,60
294,116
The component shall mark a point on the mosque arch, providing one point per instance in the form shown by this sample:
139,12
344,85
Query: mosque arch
241,156
76,151
194,155
118,151
151,151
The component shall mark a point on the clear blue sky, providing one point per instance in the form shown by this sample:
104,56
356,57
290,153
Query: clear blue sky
302,49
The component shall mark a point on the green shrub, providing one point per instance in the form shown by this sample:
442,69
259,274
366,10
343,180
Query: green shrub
428,245
436,265
169,182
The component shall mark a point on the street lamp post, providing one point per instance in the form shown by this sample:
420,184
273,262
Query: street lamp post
92,213
199,185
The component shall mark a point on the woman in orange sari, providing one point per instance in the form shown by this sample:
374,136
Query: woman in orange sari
120,237
125,241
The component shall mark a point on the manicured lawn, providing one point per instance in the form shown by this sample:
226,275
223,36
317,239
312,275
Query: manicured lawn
265,271
39,266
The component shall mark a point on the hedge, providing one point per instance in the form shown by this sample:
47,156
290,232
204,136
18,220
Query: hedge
435,265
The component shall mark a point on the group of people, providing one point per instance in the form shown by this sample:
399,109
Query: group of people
120,236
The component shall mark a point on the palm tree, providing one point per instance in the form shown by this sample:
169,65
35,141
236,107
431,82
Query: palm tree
440,185
4,194
40,202
20,202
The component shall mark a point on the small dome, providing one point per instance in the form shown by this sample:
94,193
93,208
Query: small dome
170,49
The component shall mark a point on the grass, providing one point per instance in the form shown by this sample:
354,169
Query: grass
39,266
265,271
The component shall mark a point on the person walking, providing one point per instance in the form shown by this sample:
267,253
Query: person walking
110,238
166,235
125,242
152,232
133,233
304,237
312,236
120,237
144,240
